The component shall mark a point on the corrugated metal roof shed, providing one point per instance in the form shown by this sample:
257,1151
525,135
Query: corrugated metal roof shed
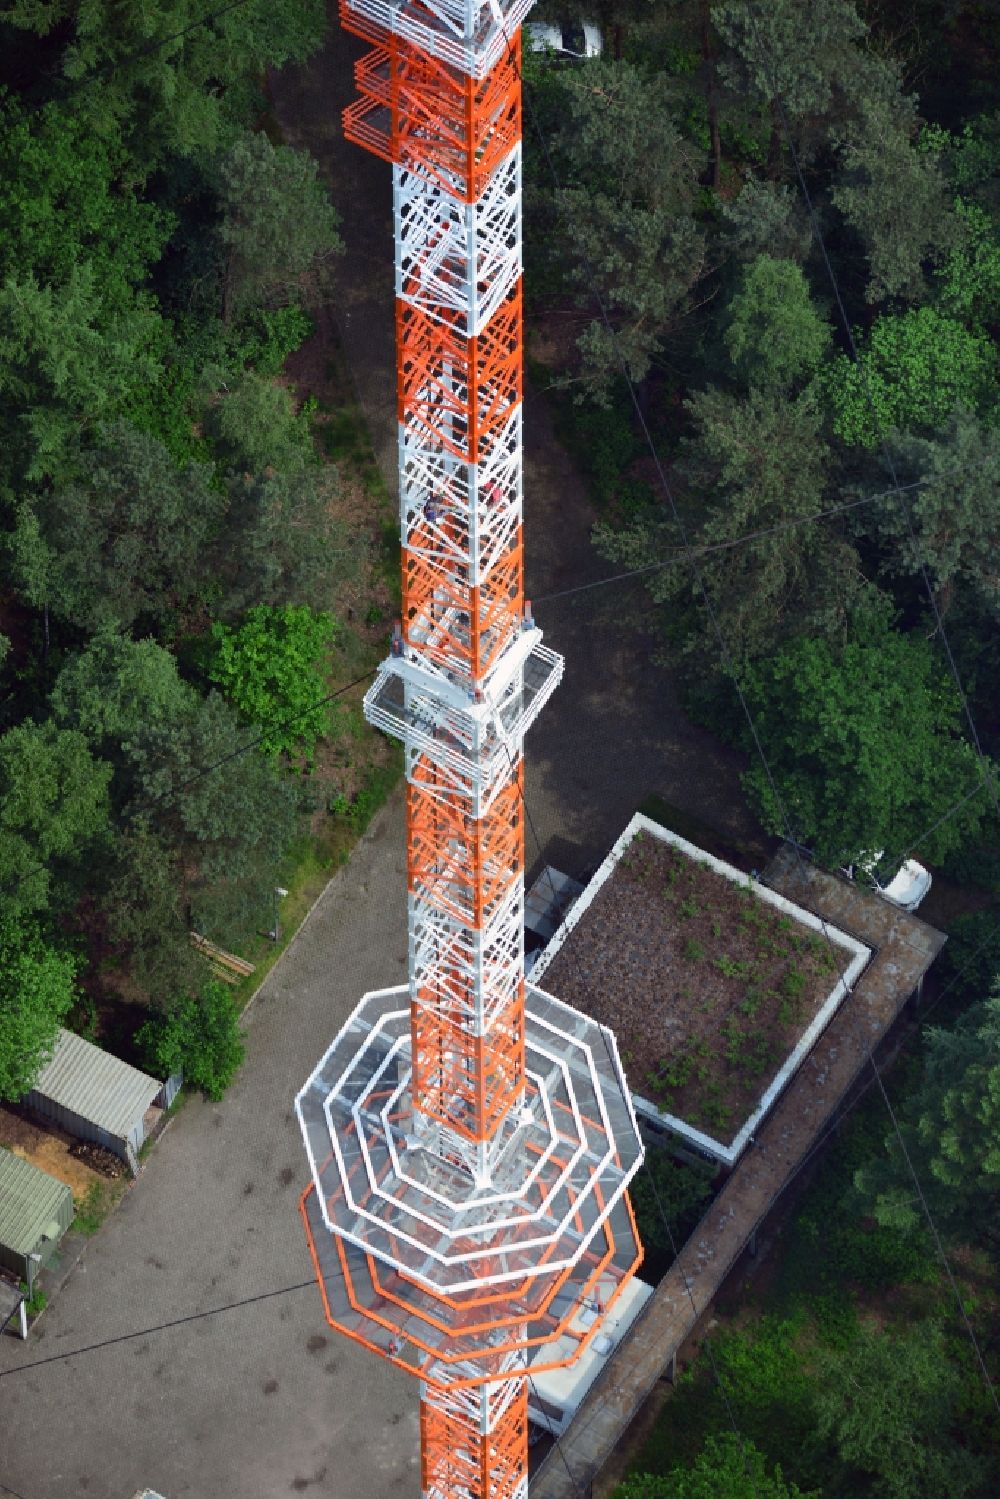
95,1085
32,1203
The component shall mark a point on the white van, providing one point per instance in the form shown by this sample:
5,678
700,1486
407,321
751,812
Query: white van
575,39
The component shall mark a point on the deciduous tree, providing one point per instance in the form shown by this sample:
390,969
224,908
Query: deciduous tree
968,283
864,741
951,1132
271,667
728,1465
913,369
198,1035
37,991
53,809
277,222
889,1402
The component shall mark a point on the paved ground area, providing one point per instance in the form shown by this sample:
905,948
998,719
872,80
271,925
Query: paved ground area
261,1401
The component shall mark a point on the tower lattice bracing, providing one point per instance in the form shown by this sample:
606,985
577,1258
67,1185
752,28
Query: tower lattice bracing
470,1138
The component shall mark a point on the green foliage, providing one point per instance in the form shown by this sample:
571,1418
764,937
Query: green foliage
93,1210
146,911
972,956
766,219
951,1131
171,407
968,284
359,810
272,669
36,1302
728,1465
63,201
841,95
761,1376
835,1250
774,334
226,829
113,687
255,428
200,1036
894,196
750,465
37,991
206,848
64,363
280,543
629,182
889,1403
168,96
122,539
950,524
971,158
812,59
667,1188
754,1381
865,745
603,440
267,336
53,809
277,221
913,369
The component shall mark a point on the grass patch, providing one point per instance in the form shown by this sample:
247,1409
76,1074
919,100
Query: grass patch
36,1302
100,1199
314,859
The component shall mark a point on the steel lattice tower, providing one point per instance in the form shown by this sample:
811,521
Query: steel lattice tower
471,1138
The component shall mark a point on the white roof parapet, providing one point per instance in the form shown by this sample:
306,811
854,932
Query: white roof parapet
859,956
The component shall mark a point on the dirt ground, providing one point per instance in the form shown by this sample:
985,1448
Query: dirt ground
48,1149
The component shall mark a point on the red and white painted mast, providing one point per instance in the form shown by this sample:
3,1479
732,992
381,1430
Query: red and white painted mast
470,1138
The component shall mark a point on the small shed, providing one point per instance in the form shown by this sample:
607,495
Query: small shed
35,1212
95,1096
